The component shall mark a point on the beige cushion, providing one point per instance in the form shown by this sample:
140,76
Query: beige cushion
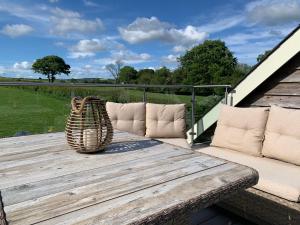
165,121
282,136
241,129
128,117
275,177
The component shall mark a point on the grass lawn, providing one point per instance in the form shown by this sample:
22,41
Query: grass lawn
23,110
46,109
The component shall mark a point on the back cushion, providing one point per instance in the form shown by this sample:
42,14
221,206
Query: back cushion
241,129
282,137
165,121
130,117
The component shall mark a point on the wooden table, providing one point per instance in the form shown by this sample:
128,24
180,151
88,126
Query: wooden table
136,181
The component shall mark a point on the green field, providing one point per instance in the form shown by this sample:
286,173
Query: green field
45,109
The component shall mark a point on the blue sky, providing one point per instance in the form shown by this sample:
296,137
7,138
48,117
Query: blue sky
90,34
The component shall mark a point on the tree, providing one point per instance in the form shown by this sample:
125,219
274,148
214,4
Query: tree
161,76
114,69
51,66
261,57
208,63
145,76
127,75
241,70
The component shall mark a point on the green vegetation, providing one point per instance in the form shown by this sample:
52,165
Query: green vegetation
114,69
34,112
127,75
208,63
51,66
45,109
262,56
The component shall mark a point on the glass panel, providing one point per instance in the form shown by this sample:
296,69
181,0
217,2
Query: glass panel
42,109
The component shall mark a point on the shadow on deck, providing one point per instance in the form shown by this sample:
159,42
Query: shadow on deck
215,215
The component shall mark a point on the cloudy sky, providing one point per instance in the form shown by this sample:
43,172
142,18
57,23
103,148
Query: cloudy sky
90,34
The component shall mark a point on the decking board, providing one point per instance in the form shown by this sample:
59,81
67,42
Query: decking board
137,179
38,189
142,204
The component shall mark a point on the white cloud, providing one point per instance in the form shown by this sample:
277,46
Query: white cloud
18,69
87,48
27,13
247,53
170,58
90,3
179,48
67,21
130,57
222,24
90,71
126,56
16,30
59,44
25,65
148,29
246,38
64,13
144,29
87,67
273,12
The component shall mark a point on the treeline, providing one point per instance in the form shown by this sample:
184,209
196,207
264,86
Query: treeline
208,63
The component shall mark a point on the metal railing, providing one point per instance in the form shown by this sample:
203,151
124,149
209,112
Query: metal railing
144,87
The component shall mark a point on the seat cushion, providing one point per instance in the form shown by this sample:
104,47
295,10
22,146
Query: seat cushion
282,136
130,117
275,177
165,121
241,129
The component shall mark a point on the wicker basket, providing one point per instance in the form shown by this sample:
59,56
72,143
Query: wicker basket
88,127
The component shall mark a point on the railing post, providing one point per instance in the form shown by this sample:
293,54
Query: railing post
144,95
192,133
226,95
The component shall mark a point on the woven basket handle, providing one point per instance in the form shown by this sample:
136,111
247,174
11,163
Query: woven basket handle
82,102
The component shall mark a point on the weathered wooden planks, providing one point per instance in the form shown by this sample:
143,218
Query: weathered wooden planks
75,162
38,189
294,77
111,187
285,89
148,204
133,181
282,88
283,101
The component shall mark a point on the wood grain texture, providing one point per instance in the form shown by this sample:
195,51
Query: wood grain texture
283,101
136,181
293,77
282,88
285,89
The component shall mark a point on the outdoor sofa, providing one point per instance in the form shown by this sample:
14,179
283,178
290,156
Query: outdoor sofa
268,141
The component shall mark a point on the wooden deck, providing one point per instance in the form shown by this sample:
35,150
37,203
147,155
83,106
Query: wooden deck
136,181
